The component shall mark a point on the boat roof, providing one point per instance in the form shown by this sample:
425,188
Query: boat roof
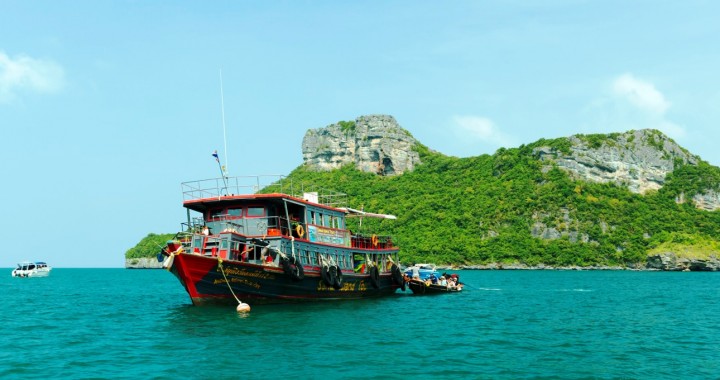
202,194
425,266
202,204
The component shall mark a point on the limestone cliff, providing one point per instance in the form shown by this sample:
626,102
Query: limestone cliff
373,143
639,160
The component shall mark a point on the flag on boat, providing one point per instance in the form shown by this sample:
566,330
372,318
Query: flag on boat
216,156
360,268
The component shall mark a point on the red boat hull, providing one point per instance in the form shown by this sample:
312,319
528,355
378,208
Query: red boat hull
209,280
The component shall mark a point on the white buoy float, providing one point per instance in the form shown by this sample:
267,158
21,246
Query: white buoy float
242,307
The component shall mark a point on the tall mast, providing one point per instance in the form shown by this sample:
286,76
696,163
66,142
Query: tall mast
222,103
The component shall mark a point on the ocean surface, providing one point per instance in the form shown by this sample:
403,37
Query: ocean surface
140,324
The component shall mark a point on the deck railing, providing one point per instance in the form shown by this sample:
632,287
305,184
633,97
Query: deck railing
275,226
218,187
242,185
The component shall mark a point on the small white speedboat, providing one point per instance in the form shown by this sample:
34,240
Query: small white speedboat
31,269
423,271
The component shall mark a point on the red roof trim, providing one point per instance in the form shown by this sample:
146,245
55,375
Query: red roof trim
226,198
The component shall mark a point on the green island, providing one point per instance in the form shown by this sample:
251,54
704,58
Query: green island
513,208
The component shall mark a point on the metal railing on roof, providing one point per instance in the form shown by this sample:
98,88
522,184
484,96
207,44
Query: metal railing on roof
243,185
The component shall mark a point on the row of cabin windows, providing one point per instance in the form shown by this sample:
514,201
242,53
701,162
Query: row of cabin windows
316,218
311,258
306,257
237,212
325,220
345,261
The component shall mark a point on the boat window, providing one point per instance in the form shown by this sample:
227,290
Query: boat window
306,257
235,212
255,253
272,219
312,217
326,220
215,214
256,211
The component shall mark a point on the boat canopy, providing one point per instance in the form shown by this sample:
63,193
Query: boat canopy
352,212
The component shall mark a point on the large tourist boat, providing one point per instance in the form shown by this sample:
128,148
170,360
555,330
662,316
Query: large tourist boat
249,239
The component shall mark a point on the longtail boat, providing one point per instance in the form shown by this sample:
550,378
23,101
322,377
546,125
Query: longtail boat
423,288
245,241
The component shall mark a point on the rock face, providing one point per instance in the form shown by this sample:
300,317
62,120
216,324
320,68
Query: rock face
373,143
143,263
669,261
708,200
639,159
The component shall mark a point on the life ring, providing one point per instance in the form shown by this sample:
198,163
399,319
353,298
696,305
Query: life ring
293,269
397,276
374,276
337,284
300,230
374,240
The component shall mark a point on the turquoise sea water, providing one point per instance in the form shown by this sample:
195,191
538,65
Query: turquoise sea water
118,323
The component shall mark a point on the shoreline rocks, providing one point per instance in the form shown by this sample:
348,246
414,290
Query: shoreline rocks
519,266
665,262
669,261
143,263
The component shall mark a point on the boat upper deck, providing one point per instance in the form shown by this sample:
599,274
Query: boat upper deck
261,206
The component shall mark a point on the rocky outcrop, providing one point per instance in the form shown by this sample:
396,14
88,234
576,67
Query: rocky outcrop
374,143
669,261
639,160
143,263
708,200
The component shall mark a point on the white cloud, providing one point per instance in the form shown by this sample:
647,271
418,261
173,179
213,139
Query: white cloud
482,129
25,74
671,129
640,93
632,104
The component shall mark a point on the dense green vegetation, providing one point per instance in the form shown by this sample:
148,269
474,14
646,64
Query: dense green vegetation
347,127
484,209
149,246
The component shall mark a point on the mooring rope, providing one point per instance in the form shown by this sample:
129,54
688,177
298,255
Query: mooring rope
226,281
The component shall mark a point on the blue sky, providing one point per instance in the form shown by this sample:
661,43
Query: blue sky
107,106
